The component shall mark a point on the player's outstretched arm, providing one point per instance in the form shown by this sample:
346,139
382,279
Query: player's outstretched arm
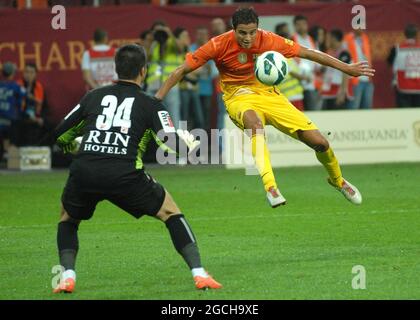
172,80
177,142
354,69
165,134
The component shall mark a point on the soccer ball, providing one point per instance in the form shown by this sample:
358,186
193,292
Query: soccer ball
271,68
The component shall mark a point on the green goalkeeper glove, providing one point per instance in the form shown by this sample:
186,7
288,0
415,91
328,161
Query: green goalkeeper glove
71,147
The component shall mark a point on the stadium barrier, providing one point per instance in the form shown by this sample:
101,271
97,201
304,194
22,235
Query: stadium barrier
357,137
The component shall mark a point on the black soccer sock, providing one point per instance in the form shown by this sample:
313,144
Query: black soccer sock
184,240
67,243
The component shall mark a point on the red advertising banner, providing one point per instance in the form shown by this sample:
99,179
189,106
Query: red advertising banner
27,35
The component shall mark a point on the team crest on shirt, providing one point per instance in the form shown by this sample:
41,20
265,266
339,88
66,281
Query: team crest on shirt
416,127
288,41
242,57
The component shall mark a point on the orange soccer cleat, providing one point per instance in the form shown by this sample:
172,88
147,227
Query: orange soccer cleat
66,286
204,283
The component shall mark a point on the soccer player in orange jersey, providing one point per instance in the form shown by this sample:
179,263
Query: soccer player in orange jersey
252,105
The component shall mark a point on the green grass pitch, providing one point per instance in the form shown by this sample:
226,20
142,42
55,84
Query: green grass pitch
304,250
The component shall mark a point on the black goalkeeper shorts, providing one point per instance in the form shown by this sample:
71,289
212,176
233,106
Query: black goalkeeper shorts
143,198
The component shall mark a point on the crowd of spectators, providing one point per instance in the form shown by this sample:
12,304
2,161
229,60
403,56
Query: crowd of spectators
23,112
198,98
192,99
310,86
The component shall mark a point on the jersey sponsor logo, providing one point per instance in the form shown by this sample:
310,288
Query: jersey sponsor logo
242,57
105,149
106,142
166,121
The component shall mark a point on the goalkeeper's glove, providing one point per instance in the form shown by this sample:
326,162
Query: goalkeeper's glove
188,139
71,147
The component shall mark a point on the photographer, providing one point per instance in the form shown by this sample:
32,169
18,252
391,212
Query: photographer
166,54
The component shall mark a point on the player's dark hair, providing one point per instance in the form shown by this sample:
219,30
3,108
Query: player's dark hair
100,35
244,16
299,18
129,60
410,31
337,34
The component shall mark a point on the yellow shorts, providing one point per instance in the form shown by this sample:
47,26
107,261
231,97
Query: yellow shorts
272,107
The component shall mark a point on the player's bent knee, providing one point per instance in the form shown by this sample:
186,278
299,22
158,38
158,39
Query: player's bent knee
256,127
322,146
65,217
168,208
253,123
314,140
164,215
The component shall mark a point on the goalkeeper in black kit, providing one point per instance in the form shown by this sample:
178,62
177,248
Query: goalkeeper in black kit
115,124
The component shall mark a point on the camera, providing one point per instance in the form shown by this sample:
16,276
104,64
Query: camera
160,36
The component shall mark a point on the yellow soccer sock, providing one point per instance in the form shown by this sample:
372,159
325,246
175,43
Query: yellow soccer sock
262,160
330,163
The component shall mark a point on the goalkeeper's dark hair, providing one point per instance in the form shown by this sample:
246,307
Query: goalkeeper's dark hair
244,16
129,60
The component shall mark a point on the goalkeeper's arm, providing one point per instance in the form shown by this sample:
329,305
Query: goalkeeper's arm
166,135
180,142
69,129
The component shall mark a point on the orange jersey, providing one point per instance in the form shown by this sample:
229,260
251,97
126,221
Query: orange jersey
236,64
38,93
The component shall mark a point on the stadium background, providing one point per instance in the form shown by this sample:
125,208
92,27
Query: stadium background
58,52
306,250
